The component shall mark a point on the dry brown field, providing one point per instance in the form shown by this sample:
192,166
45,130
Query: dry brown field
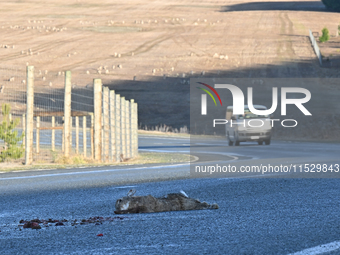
148,50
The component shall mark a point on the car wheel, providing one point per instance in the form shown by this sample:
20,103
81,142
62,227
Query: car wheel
230,142
260,142
237,142
267,142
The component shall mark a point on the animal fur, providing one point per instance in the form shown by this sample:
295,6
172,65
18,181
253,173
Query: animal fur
149,204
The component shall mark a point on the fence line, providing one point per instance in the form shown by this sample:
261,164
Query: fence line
315,46
123,128
64,119
112,124
127,133
134,129
29,116
67,114
118,127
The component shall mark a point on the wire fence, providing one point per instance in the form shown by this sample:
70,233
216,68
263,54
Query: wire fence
61,125
12,92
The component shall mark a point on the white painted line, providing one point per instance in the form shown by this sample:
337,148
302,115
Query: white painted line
195,159
234,156
117,170
230,154
123,187
97,171
163,138
164,151
320,249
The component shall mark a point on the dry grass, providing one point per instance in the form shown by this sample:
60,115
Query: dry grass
73,160
173,37
166,134
78,161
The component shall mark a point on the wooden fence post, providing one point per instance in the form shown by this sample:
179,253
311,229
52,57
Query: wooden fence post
97,86
92,137
71,133
118,131
77,135
123,126
128,129
23,128
63,136
53,134
136,129
106,123
84,136
29,115
112,127
67,113
37,137
102,139
132,127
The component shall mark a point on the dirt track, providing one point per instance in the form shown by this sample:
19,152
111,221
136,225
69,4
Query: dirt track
163,43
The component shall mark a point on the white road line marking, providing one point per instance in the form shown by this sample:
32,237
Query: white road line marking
320,249
123,187
195,159
163,138
164,151
97,171
231,154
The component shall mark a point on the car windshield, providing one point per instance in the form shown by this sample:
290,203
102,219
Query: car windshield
250,115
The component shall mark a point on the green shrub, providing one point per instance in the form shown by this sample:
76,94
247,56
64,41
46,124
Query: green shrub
332,4
325,35
10,136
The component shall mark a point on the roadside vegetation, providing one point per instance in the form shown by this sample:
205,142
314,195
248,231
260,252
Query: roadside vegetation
325,35
10,137
62,162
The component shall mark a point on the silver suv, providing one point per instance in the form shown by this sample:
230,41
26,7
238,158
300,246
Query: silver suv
248,127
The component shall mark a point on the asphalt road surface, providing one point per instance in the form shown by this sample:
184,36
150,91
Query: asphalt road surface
277,215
